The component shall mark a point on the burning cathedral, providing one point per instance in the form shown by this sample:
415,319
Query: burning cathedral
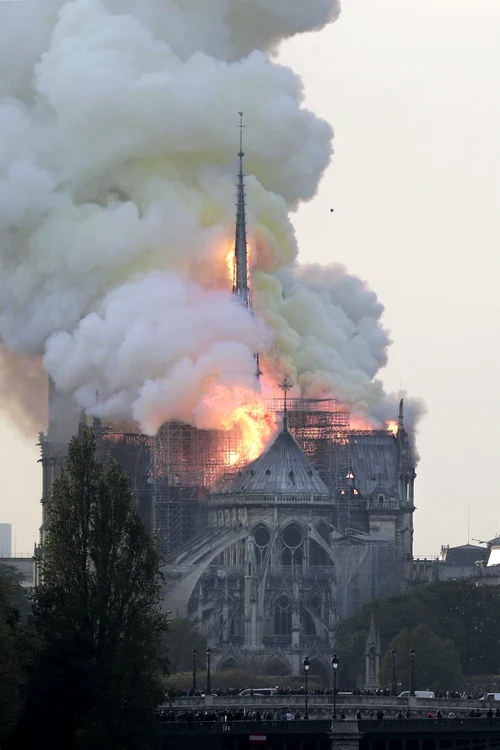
266,552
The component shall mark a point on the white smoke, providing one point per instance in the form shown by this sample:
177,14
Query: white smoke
117,172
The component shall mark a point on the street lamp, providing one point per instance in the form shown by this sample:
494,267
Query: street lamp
335,666
306,664
208,690
393,680
194,671
412,672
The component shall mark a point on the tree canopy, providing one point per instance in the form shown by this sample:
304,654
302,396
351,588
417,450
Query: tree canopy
97,610
436,661
182,638
18,645
459,611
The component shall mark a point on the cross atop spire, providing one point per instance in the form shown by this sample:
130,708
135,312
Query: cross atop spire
285,386
241,154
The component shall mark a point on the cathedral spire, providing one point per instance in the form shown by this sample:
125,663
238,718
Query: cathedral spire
401,415
285,386
240,284
241,290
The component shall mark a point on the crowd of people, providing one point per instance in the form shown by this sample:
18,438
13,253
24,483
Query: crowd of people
280,690
285,714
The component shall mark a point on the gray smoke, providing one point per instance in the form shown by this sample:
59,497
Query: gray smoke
117,125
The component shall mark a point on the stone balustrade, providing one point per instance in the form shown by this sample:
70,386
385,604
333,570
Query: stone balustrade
320,706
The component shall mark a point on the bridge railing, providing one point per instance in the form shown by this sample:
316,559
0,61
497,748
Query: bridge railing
295,726
324,726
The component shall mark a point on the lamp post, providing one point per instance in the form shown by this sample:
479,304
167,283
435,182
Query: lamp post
208,690
306,664
194,671
335,666
412,672
393,680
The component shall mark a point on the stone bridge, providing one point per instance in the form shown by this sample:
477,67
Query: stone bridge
320,706
402,734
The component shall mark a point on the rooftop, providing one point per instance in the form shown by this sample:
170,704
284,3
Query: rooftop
374,461
282,468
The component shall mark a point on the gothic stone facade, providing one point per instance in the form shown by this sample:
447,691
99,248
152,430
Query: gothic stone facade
283,558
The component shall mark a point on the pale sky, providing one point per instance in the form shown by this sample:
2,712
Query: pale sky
412,90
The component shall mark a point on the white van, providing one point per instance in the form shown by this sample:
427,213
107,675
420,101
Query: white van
490,697
259,691
418,694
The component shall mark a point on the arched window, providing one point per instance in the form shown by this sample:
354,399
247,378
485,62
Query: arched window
307,623
283,616
292,538
297,557
261,536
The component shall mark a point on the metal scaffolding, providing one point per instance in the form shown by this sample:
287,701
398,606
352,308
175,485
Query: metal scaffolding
321,428
173,472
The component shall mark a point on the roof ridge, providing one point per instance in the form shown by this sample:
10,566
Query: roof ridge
282,468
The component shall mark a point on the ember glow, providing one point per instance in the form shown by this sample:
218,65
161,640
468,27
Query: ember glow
257,427
242,410
392,426
229,255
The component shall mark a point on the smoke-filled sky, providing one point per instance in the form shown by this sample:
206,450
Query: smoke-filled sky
411,96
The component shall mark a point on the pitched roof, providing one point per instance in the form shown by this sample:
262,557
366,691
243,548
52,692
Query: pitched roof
374,461
281,469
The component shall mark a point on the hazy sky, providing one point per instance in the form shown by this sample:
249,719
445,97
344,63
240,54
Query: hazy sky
412,92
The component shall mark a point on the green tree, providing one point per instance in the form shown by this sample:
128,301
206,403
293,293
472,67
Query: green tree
182,638
461,611
98,611
436,662
17,648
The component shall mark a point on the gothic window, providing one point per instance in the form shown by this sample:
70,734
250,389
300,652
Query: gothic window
292,536
297,557
261,537
307,623
283,616
317,555
235,628
286,556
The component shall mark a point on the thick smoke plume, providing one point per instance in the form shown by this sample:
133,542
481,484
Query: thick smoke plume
117,191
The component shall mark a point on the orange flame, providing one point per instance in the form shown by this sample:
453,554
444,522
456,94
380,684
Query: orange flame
240,409
229,259
230,263
392,426
257,426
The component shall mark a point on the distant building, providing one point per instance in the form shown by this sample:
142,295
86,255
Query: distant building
5,539
455,563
